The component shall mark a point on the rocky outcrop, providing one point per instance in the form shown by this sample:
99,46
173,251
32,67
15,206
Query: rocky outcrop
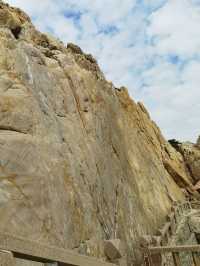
198,141
80,161
191,156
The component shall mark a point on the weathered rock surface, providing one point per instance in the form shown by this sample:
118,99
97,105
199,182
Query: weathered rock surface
80,161
191,154
198,141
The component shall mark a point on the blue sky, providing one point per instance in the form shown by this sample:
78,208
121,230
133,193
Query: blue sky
150,46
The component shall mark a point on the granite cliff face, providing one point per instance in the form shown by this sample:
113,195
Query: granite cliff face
80,161
191,155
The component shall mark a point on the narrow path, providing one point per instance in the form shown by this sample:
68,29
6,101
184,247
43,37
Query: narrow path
175,244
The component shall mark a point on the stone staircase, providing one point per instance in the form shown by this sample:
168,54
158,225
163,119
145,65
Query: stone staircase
175,244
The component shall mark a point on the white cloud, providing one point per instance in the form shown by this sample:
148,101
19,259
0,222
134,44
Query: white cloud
152,47
176,27
172,90
173,97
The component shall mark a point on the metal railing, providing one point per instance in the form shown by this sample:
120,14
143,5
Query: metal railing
156,250
173,256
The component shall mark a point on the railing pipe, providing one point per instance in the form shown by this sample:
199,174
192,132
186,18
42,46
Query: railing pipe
176,259
168,249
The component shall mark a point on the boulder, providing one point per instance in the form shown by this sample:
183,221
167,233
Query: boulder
113,249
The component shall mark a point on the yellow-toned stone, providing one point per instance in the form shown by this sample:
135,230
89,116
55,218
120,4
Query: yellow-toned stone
81,161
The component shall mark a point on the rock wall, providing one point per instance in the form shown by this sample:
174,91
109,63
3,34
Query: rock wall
80,161
191,155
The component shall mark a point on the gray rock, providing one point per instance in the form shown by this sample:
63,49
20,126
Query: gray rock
113,249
